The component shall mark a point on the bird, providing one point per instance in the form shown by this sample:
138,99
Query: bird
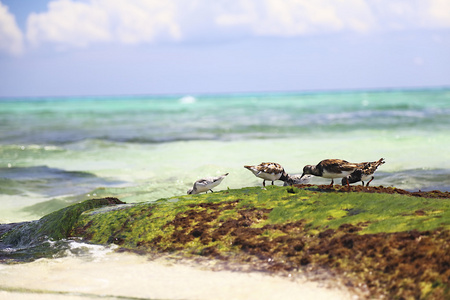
206,184
363,173
330,168
270,171
297,179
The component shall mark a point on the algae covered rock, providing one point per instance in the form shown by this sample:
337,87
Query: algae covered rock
391,242
54,226
395,244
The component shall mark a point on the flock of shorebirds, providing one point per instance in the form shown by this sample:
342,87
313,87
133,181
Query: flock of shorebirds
327,168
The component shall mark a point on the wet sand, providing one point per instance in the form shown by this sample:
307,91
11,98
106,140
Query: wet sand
125,275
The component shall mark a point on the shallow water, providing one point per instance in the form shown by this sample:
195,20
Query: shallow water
57,151
92,272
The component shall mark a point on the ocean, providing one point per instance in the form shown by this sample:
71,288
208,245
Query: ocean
58,151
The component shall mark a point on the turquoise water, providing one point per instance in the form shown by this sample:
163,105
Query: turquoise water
57,151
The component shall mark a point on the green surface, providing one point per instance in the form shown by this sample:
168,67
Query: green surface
382,212
395,244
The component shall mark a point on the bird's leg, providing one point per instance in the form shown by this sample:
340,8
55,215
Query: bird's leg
211,190
370,181
347,182
362,183
331,184
264,185
272,182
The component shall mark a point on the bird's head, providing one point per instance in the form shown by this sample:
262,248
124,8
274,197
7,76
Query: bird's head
306,170
287,178
344,181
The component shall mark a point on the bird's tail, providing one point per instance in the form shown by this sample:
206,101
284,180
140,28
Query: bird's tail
372,166
380,162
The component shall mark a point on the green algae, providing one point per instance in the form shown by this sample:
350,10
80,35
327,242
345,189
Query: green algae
379,212
395,244
55,226
392,243
384,212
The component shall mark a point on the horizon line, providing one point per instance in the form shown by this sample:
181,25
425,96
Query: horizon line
237,93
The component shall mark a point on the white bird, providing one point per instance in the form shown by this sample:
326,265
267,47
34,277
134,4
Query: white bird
206,184
298,179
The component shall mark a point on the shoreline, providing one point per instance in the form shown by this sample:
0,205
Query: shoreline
160,278
383,241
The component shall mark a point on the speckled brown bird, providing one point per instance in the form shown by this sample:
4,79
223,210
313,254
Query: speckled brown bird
269,171
331,168
363,173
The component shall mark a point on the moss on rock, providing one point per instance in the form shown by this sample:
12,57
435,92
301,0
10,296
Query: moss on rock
395,243
55,226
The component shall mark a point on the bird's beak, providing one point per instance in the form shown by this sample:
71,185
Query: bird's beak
302,175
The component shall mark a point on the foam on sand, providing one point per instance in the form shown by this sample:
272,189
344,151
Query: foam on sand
129,275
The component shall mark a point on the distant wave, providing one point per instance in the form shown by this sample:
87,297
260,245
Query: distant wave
187,100
227,117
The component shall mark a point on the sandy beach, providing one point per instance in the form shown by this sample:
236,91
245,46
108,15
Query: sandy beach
137,277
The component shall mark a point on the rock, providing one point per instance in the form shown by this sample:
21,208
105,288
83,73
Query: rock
56,225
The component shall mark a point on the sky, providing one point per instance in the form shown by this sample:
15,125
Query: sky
189,47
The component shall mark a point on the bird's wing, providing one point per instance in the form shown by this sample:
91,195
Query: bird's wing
338,165
270,168
203,181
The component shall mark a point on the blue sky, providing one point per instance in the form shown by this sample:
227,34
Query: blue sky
123,47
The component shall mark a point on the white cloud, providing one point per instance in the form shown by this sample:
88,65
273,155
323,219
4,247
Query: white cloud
82,23
11,38
439,13
412,14
70,23
141,21
298,17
